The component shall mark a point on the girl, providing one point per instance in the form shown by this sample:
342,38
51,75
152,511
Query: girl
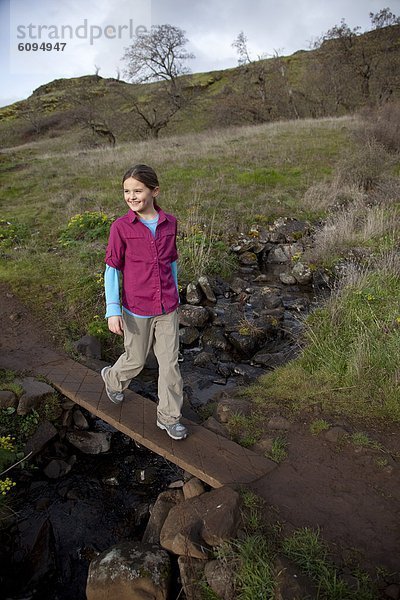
142,246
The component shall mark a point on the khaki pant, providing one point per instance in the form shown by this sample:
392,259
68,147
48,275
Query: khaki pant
140,335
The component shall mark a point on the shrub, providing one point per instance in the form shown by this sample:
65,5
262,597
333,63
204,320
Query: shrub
384,125
11,234
87,226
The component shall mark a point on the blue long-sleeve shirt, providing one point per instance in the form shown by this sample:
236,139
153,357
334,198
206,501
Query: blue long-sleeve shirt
112,277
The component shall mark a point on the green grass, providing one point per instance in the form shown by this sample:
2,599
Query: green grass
200,183
278,452
318,426
349,363
306,549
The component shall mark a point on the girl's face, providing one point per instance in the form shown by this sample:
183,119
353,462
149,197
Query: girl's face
139,197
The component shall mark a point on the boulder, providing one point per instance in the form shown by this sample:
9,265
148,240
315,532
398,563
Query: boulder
195,316
248,259
220,577
57,468
34,393
80,420
43,434
89,346
193,294
246,345
238,285
158,514
129,571
199,523
189,335
191,573
203,359
214,338
90,442
207,289
287,278
8,399
302,273
192,488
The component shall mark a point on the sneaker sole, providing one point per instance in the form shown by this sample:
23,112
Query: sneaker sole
174,437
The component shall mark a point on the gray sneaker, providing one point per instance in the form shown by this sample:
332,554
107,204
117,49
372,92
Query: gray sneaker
176,431
115,397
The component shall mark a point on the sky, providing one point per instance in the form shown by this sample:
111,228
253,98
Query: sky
43,40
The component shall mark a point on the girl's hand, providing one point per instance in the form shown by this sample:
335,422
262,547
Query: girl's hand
115,325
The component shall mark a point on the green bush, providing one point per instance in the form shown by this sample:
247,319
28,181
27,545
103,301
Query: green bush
87,226
11,234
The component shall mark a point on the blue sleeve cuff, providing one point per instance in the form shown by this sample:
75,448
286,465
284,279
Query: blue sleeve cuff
111,287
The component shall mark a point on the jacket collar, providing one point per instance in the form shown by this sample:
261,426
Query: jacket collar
133,217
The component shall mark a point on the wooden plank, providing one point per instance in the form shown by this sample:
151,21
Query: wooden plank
205,454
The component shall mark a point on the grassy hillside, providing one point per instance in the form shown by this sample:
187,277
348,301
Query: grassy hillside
57,205
328,81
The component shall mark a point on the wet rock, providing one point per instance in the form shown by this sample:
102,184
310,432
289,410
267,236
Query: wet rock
296,304
232,317
196,316
203,359
225,369
158,514
36,538
271,360
248,259
80,420
8,399
266,298
193,294
189,335
287,278
129,570
57,468
192,488
278,423
214,338
302,273
90,442
207,289
246,345
89,346
228,406
220,578
43,434
284,253
34,393
288,229
262,278
191,572
248,372
238,285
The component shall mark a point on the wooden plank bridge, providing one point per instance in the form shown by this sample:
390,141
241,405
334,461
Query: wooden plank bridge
212,458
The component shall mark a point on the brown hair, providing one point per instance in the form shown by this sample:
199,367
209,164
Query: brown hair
144,174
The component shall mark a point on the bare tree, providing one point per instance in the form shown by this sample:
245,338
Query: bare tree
158,55
383,18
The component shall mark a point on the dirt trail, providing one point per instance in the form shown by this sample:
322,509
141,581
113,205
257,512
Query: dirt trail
350,493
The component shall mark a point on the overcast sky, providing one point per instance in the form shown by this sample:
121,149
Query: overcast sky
95,32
